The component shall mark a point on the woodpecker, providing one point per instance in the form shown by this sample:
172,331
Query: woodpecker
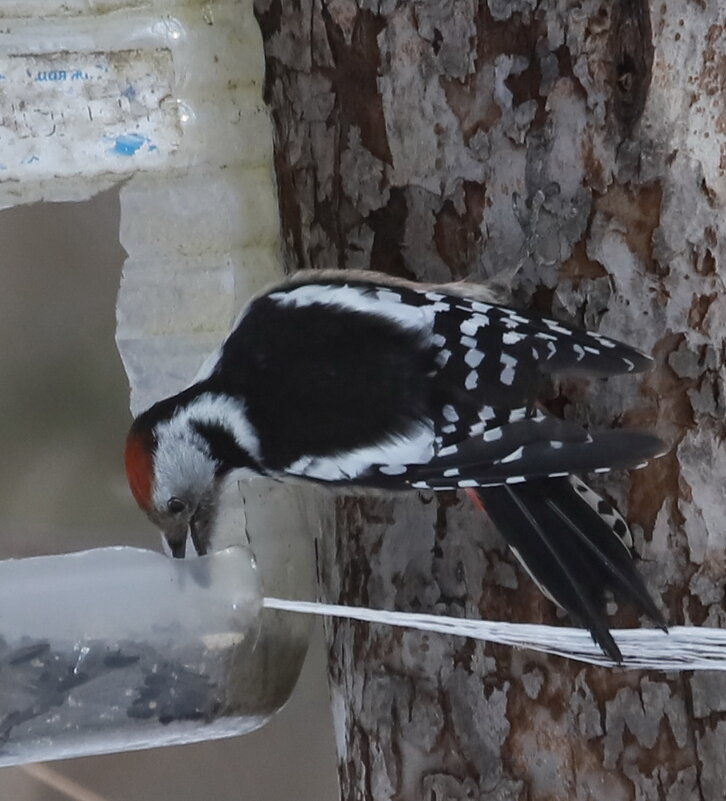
358,380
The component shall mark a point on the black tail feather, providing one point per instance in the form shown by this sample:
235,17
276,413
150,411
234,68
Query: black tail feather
570,550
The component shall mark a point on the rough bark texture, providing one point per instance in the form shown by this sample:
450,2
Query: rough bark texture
586,140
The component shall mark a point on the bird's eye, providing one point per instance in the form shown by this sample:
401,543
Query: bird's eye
175,505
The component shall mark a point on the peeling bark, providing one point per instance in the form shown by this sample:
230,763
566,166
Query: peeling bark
587,142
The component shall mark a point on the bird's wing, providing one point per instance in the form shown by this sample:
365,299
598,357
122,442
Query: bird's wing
486,356
519,451
462,375
528,337
492,357
482,463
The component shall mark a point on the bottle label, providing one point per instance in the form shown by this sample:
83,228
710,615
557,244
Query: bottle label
80,114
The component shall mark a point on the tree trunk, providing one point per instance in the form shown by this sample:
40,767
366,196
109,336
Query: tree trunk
585,140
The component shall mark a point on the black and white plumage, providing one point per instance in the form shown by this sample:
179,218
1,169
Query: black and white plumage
359,380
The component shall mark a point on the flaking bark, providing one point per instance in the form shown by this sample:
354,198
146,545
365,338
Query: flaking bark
585,143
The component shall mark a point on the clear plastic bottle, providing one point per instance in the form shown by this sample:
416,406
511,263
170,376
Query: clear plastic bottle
116,649
119,648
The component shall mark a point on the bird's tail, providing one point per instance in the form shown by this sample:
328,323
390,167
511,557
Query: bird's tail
575,546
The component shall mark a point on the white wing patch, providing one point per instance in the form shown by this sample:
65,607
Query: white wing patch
391,457
509,363
473,358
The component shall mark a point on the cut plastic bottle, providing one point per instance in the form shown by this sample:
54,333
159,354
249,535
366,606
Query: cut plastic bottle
119,649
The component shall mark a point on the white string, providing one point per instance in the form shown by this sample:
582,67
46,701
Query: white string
682,648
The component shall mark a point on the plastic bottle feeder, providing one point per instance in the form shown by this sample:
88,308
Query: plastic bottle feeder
117,649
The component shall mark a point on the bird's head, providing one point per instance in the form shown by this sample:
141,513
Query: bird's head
178,454
176,480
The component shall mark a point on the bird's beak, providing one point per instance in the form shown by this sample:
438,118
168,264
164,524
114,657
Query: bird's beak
200,527
179,549
176,539
200,534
